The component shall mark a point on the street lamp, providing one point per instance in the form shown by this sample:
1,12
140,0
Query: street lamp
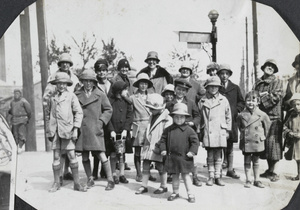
213,16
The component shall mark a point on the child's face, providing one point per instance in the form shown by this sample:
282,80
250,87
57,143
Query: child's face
224,75
124,70
17,95
269,69
65,66
179,119
88,84
143,86
61,86
180,92
212,72
185,73
169,96
296,105
213,90
124,92
102,74
251,103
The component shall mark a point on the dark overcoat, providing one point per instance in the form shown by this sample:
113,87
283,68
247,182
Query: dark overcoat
178,141
237,103
127,80
254,128
96,109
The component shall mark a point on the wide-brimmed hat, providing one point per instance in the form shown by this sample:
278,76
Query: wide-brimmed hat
296,61
168,88
270,61
180,109
224,67
62,77
101,64
65,57
212,65
186,65
296,96
118,86
155,101
182,83
143,77
152,55
123,63
213,81
88,75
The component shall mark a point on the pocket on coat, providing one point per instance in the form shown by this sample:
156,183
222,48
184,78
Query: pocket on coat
223,129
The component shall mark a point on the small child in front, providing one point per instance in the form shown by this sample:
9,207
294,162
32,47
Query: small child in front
254,125
291,132
179,143
63,119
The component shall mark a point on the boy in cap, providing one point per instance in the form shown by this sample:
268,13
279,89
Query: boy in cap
158,121
291,132
181,89
101,69
159,76
63,119
197,90
20,110
237,103
179,143
215,126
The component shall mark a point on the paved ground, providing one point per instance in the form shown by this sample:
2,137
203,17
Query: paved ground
34,178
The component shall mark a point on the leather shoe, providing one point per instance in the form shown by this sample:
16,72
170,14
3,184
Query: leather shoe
141,190
191,198
274,178
54,187
68,176
161,190
266,174
247,184
258,184
123,180
90,183
232,174
210,182
173,196
197,182
110,185
219,182
296,178
79,187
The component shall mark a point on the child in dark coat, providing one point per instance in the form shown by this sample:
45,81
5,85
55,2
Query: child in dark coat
179,143
120,124
254,125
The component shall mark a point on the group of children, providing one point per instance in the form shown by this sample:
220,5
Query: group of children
168,129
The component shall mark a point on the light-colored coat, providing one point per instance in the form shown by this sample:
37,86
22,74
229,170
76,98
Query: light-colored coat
254,129
63,115
215,120
96,108
153,135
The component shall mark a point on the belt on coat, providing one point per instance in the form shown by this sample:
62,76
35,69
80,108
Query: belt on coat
174,153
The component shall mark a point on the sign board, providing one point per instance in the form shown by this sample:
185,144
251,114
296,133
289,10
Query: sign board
192,45
194,37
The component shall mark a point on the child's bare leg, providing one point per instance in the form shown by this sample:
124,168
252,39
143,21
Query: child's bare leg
187,182
146,172
255,162
175,183
137,163
56,170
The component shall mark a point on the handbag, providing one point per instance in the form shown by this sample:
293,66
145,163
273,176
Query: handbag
119,145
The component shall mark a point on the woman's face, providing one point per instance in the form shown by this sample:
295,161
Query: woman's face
102,74
124,70
152,63
65,66
212,89
269,69
88,84
143,86
185,73
179,119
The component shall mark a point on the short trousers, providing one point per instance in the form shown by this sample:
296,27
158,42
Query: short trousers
62,144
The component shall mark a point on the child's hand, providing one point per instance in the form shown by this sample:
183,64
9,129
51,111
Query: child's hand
74,134
190,154
190,123
124,134
51,138
113,135
227,134
163,153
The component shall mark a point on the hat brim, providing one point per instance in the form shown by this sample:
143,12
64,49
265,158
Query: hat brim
212,84
164,92
136,83
180,113
156,108
146,60
183,86
191,71
93,79
69,82
264,66
59,62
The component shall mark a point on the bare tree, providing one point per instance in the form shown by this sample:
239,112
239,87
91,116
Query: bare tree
53,51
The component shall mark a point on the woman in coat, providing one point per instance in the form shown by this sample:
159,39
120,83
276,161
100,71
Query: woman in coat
270,90
97,112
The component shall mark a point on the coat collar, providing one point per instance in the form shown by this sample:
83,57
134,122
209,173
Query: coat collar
255,116
229,87
61,98
267,80
207,103
84,100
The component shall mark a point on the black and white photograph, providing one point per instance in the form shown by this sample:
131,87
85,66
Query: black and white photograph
109,104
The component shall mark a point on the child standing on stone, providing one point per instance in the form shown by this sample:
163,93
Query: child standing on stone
254,125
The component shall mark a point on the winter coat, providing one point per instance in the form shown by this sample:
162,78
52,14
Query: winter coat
293,86
127,80
215,120
192,110
161,78
20,111
141,115
153,135
97,112
293,125
122,118
254,129
178,141
63,115
237,103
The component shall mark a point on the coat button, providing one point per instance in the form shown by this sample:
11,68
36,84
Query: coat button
121,110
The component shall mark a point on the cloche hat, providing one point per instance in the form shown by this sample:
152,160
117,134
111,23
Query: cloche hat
296,96
180,109
212,65
186,65
224,67
213,81
101,64
88,75
152,55
155,101
182,83
270,61
168,87
123,63
62,77
65,57
142,77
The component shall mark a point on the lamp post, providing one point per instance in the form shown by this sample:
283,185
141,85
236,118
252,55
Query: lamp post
213,16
